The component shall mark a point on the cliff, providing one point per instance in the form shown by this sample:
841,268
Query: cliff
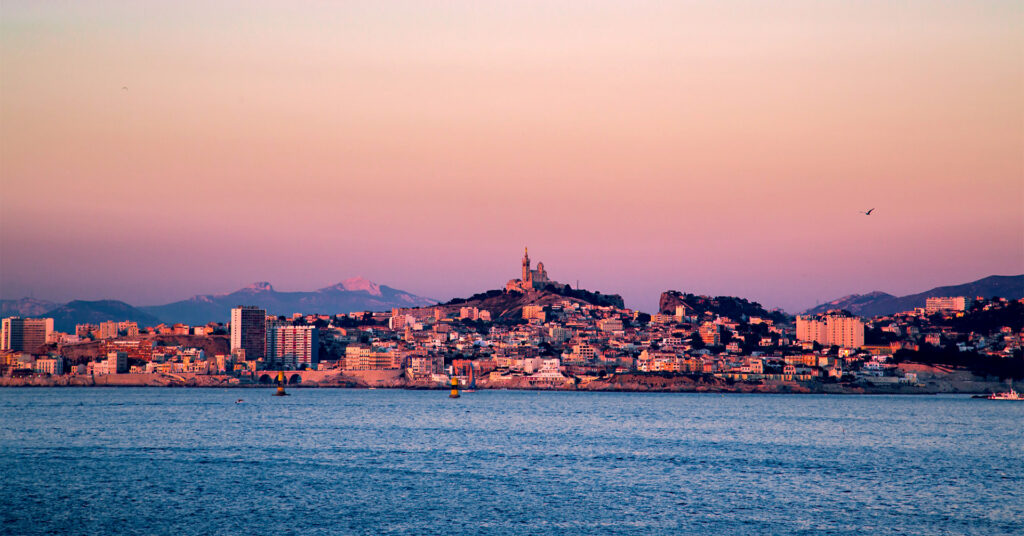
727,306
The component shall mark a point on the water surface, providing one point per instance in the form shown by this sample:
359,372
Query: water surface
335,461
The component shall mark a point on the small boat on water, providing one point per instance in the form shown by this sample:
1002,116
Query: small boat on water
1008,395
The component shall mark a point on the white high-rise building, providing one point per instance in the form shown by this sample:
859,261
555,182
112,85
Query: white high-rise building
24,334
291,347
837,329
952,304
845,331
249,331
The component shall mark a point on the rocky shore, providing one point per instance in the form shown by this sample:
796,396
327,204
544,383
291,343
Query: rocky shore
932,380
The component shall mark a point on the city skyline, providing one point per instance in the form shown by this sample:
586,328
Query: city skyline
513,266
372,289
148,153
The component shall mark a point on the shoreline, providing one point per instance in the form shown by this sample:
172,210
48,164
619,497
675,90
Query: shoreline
479,389
792,388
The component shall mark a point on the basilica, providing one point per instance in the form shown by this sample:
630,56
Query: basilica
532,279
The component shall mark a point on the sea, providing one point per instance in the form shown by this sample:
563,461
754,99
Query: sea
155,461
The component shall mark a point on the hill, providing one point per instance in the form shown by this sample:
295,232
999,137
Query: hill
356,294
728,306
507,306
881,303
75,312
26,307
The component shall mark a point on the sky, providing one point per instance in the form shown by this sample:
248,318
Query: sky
153,151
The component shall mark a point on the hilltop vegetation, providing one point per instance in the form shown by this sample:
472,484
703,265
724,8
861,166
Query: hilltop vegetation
728,306
508,305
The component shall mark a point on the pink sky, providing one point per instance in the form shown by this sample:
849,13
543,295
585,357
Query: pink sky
721,148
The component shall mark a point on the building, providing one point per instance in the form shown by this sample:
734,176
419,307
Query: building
710,334
57,337
291,347
115,363
130,329
134,349
945,305
424,366
531,279
112,329
400,321
840,329
531,312
25,334
53,366
659,318
358,357
249,331
811,329
108,330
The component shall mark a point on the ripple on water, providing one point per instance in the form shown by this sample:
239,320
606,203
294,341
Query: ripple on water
191,461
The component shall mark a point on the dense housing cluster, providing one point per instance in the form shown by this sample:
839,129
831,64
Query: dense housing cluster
538,338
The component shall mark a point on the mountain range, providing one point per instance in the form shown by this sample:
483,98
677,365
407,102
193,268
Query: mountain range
355,294
881,303
27,307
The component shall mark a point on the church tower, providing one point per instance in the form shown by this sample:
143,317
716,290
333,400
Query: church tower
526,267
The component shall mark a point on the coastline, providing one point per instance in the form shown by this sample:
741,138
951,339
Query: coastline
638,383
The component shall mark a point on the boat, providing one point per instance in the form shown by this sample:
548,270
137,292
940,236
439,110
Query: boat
1008,395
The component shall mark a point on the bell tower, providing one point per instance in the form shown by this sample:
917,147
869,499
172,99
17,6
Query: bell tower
526,266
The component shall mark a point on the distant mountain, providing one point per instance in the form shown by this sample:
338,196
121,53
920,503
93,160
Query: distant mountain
727,306
66,316
356,294
880,303
26,307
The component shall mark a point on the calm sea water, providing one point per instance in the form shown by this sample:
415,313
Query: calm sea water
331,461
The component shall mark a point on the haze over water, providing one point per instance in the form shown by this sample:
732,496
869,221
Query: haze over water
193,462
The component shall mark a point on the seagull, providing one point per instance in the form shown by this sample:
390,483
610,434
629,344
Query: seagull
868,213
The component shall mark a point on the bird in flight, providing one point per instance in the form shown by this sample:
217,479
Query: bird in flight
868,213
124,88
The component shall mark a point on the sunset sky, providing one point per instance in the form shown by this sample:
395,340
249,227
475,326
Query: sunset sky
149,153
